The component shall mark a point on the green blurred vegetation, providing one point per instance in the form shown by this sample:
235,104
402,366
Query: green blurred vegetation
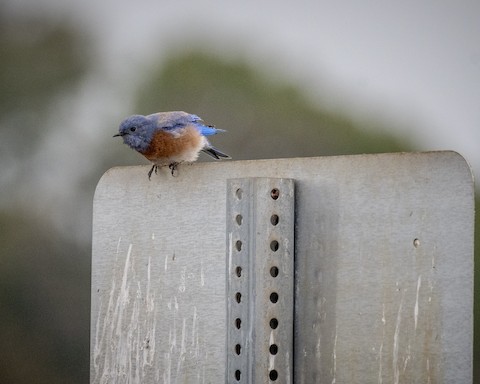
38,60
44,277
263,119
44,304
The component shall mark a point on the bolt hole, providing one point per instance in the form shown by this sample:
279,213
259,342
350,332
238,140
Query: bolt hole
274,297
274,219
238,245
238,323
238,271
274,245
416,243
273,349
274,193
238,349
238,297
274,271
273,375
239,219
239,193
274,323
237,374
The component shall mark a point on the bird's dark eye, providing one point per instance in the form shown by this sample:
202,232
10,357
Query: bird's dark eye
133,129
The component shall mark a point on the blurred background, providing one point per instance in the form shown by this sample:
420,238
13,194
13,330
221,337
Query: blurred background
286,79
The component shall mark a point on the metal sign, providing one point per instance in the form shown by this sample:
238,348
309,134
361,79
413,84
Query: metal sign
382,272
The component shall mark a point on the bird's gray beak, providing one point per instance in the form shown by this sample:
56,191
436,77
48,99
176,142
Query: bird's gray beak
118,134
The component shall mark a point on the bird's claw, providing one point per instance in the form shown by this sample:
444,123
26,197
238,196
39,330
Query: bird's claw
173,169
154,167
172,166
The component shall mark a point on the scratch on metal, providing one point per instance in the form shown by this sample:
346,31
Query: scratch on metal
396,372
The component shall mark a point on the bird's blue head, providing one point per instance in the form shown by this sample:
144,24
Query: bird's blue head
137,132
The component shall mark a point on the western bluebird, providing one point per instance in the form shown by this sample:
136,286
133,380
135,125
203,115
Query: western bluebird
169,138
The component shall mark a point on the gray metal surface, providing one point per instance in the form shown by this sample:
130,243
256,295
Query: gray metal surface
260,290
383,270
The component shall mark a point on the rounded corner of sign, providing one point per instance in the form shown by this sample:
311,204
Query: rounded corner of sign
105,178
464,162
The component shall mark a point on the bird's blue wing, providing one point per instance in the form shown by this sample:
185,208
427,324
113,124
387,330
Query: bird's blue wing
177,119
173,120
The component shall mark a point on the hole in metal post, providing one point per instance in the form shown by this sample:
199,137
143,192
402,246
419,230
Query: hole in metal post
274,245
274,219
238,349
275,193
274,297
274,271
274,323
238,297
238,374
273,349
238,271
239,193
239,219
416,243
273,375
238,323
238,245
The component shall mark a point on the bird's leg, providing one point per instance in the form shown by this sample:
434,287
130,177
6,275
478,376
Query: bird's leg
173,168
154,167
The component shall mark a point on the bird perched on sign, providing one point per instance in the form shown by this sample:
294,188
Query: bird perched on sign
169,138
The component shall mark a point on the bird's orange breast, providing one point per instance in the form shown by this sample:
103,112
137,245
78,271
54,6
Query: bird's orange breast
165,145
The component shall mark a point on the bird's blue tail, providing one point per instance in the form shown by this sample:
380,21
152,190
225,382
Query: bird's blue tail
208,130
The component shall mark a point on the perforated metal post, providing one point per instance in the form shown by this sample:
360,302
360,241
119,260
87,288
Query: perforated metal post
260,273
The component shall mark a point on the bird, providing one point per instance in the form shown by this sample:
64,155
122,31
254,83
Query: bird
169,138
